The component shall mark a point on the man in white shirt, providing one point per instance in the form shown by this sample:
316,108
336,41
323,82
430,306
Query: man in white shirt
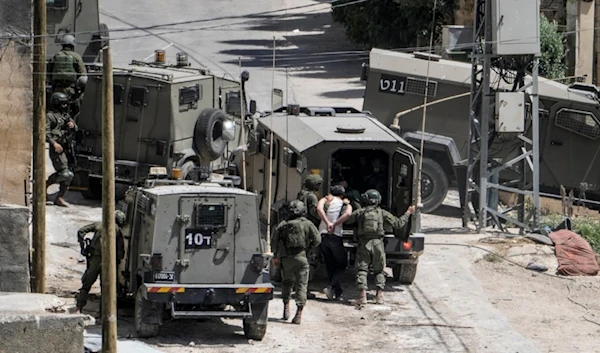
334,212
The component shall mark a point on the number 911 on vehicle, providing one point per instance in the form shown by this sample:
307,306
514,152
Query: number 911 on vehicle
392,84
196,239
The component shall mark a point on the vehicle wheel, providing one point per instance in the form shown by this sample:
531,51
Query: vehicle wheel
94,191
187,170
208,139
142,307
434,185
405,273
255,327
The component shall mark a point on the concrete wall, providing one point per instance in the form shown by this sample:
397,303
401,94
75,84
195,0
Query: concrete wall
14,249
15,99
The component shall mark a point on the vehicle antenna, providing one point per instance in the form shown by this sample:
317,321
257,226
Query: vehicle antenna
287,133
243,126
268,240
419,200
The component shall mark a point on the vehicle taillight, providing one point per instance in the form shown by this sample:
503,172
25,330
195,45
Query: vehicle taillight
407,245
156,262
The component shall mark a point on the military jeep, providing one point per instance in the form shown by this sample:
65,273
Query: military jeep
194,250
331,141
81,19
158,107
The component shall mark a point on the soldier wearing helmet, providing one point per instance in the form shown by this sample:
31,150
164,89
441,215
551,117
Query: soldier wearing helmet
66,67
308,196
291,240
92,250
370,232
60,130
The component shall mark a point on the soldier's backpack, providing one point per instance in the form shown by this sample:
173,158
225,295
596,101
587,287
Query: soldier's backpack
64,67
293,237
372,221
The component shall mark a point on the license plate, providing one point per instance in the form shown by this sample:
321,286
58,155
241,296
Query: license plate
164,276
197,239
84,148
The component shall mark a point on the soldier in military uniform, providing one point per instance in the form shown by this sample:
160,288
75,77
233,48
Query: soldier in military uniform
92,250
291,239
60,129
370,232
308,196
66,67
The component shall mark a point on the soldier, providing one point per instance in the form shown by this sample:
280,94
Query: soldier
66,67
308,196
60,129
370,250
93,252
291,240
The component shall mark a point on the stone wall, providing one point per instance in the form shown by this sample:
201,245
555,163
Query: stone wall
14,249
15,99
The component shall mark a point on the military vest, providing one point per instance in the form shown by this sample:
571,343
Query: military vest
64,67
293,236
303,196
371,222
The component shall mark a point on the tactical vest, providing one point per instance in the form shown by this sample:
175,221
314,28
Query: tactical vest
64,68
303,196
371,223
293,237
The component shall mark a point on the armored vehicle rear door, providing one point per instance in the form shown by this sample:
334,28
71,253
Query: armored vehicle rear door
403,181
571,151
206,241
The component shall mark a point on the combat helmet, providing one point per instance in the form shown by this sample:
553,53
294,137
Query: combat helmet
68,40
58,99
313,181
372,197
119,218
296,209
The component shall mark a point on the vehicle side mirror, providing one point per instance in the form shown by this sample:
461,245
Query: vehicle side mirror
228,130
252,107
364,72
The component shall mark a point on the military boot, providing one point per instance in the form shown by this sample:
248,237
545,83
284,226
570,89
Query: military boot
59,200
286,311
379,296
362,299
298,318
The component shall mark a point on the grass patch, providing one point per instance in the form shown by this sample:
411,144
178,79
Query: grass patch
587,227
492,257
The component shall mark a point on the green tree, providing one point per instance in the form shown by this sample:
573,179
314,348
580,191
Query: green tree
393,23
553,49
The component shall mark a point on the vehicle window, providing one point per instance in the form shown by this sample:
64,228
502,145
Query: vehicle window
580,122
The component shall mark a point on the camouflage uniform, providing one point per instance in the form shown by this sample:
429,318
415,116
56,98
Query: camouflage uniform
66,67
290,242
308,196
371,250
57,131
93,253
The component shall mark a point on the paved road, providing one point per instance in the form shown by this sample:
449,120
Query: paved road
447,304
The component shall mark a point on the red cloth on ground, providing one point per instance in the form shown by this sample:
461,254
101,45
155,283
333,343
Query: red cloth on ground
575,255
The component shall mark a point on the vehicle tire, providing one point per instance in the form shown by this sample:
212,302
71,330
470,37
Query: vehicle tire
208,140
405,273
434,185
94,191
144,329
254,330
187,170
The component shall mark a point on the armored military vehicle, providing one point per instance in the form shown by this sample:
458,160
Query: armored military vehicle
157,109
194,250
569,122
339,144
80,18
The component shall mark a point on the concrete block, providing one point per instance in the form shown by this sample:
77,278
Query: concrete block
14,252
27,325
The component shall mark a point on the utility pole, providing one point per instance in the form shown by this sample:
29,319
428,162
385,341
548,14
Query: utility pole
39,146
109,248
